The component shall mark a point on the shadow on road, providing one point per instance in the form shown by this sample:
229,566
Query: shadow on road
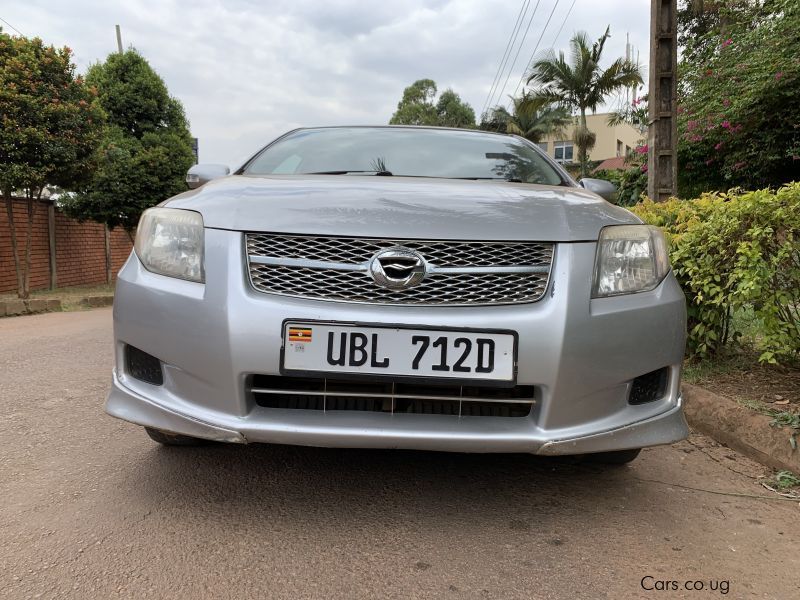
316,485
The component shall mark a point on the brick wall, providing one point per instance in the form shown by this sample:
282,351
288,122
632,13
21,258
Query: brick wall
80,249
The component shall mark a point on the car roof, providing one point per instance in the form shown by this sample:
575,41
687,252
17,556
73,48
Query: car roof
431,127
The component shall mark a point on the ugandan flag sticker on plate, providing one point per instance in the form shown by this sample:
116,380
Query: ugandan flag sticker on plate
300,334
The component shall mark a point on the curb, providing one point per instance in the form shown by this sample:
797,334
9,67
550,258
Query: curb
96,301
15,307
739,428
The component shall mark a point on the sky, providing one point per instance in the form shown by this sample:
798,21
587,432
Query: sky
247,71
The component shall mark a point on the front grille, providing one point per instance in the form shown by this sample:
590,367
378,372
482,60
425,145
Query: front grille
459,272
359,250
353,286
390,397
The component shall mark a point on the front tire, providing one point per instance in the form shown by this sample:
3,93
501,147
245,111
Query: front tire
172,439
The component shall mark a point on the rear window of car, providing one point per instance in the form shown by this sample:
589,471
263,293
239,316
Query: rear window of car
405,152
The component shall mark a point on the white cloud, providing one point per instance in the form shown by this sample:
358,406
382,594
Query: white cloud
246,71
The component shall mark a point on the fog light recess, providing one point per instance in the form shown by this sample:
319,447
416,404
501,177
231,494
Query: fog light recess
649,387
143,366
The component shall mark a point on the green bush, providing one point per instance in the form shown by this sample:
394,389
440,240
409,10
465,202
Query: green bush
632,184
632,181
612,175
737,251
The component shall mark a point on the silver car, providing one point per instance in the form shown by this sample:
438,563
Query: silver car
400,287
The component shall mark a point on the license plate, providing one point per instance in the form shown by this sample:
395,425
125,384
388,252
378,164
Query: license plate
313,347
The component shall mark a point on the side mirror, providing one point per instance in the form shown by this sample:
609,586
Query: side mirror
200,174
601,187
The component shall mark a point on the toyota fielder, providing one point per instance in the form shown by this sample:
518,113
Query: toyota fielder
400,287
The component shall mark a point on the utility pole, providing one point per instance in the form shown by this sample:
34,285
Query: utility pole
662,160
119,39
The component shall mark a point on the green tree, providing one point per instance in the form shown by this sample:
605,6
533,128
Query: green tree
739,110
701,22
146,148
49,129
418,107
580,84
451,111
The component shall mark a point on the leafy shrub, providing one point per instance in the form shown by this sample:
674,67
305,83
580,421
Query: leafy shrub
612,175
734,251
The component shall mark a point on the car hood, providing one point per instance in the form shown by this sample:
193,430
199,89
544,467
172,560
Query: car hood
401,207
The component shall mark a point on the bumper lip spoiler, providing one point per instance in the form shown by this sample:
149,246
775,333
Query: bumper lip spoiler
665,428
123,403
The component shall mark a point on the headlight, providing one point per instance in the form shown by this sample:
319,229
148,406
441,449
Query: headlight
630,258
170,242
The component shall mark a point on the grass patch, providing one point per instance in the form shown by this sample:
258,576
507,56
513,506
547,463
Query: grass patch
728,361
787,419
70,297
754,405
780,418
785,480
78,291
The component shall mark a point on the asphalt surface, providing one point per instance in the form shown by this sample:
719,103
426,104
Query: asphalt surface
92,508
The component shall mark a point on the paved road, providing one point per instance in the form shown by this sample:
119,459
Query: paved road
91,508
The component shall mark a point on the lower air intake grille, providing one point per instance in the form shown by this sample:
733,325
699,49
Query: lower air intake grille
390,397
143,366
649,387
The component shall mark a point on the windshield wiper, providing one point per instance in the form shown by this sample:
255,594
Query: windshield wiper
509,179
390,174
377,173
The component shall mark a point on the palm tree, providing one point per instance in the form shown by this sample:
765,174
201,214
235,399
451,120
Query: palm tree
580,84
534,118
531,118
495,119
636,114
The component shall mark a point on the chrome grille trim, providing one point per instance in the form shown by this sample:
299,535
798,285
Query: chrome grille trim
460,273
389,397
364,267
279,392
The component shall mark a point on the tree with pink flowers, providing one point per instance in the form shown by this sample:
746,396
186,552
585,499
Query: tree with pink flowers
738,105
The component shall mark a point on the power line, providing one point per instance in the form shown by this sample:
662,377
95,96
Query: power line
564,22
12,27
511,70
513,40
506,52
535,49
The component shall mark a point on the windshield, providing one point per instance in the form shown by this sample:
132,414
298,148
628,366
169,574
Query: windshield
405,152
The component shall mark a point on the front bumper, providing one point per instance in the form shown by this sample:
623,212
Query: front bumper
408,431
581,355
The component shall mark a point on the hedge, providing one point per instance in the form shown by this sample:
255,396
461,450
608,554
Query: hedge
736,251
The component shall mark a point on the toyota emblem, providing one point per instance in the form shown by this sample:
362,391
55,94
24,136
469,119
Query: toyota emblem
398,268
